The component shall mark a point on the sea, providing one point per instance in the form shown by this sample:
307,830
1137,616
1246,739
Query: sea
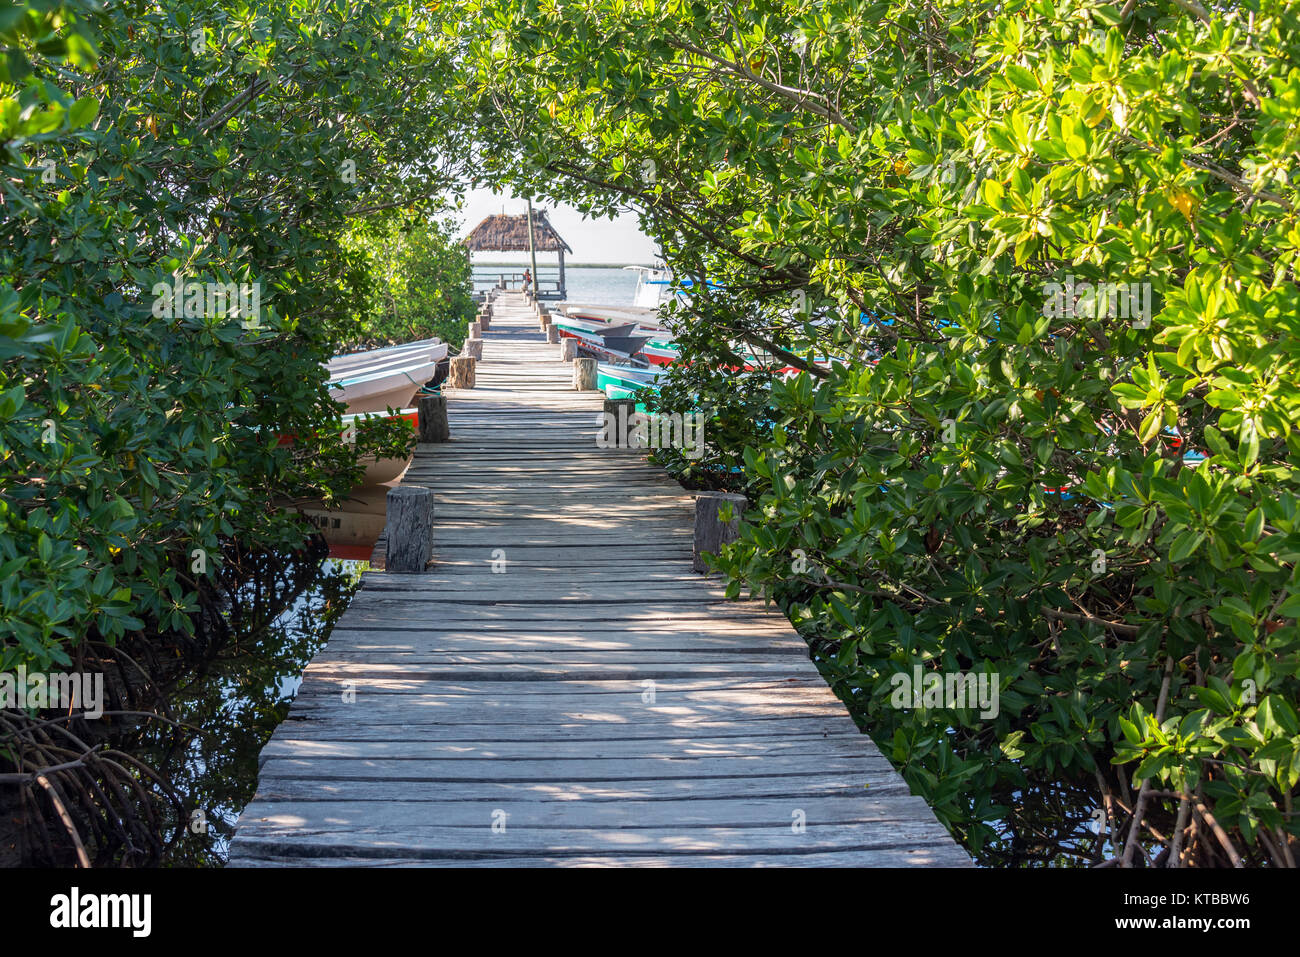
596,285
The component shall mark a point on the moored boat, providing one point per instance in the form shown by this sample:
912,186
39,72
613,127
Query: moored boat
384,378
351,529
622,382
380,470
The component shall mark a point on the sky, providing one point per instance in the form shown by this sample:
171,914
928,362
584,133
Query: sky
618,242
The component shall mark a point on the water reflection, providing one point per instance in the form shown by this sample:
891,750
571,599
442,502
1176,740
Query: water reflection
235,700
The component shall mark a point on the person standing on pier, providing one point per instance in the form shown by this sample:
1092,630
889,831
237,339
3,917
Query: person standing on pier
528,280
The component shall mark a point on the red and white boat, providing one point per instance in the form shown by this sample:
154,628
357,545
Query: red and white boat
380,470
352,528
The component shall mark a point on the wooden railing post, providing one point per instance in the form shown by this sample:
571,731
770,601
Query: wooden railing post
461,373
613,405
568,349
433,419
410,529
584,375
552,333
473,348
710,531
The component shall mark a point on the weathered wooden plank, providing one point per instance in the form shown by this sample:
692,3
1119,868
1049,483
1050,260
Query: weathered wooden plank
472,770
369,672
939,855
389,726
323,817
607,692
436,841
841,744
353,657
592,792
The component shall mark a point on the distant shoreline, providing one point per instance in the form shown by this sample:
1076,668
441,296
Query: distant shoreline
567,265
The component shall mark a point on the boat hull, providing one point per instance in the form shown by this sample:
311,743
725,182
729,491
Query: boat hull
384,378
381,470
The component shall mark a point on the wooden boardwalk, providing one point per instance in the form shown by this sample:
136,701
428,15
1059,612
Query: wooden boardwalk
592,701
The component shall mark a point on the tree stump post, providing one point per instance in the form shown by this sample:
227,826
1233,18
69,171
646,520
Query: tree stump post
544,321
461,373
621,423
433,419
613,405
475,330
584,375
473,348
552,334
410,529
711,533
568,349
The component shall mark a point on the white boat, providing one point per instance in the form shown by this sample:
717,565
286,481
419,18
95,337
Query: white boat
380,470
384,378
652,289
355,524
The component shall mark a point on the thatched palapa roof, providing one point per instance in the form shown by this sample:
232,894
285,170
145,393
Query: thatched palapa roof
509,234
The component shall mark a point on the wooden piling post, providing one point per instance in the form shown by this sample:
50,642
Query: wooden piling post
473,347
552,333
613,405
410,529
544,321
433,419
475,330
584,375
621,425
568,349
461,373
710,531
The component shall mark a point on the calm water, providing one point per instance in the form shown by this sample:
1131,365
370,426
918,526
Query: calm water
280,618
607,286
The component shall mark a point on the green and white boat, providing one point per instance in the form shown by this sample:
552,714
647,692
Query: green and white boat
623,382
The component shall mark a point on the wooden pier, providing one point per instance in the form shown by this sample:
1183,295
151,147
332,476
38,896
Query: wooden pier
561,688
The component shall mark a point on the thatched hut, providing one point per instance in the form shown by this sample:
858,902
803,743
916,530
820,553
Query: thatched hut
509,234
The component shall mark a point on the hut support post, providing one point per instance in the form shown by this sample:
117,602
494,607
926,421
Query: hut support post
532,247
